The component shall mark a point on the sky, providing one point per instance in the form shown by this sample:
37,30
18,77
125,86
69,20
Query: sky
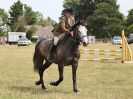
53,8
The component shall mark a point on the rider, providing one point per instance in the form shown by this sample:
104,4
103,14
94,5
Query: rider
66,22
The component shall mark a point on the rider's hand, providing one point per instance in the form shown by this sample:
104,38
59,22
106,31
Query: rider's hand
71,34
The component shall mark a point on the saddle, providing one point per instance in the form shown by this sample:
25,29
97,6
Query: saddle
53,48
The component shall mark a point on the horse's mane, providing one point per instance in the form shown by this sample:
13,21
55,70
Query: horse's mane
80,22
68,40
75,25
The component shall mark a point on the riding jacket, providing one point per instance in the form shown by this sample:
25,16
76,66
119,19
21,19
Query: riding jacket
64,26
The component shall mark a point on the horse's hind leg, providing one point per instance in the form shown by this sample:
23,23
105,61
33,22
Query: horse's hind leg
41,71
61,69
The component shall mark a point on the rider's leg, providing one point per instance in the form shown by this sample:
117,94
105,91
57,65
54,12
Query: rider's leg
52,47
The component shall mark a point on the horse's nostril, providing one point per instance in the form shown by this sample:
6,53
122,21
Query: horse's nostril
84,44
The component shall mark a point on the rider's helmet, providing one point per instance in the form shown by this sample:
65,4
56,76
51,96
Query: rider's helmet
69,9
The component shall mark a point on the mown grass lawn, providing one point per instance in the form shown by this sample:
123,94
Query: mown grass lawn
96,80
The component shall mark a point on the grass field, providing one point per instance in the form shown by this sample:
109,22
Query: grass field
96,80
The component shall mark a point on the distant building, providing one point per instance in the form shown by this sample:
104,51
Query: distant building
42,32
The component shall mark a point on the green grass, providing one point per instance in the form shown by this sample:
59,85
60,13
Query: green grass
96,80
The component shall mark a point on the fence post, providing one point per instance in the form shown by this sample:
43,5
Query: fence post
126,51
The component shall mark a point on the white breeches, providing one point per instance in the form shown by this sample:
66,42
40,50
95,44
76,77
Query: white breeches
56,40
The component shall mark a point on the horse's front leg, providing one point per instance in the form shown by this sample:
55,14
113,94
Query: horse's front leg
61,69
74,69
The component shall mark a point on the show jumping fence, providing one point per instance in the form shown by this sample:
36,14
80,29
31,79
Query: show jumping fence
102,52
124,54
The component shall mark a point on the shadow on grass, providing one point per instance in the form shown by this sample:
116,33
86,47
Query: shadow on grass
33,90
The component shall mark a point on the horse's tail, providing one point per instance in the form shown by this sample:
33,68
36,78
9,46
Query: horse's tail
37,59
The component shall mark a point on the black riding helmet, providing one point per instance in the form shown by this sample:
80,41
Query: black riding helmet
70,10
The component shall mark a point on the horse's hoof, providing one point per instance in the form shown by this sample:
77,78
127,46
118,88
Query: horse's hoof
53,84
44,88
37,82
77,91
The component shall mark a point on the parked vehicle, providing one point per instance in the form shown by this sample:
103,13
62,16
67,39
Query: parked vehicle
130,40
13,37
34,39
24,42
117,40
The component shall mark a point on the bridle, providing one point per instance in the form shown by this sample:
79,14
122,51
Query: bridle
83,37
79,39
75,29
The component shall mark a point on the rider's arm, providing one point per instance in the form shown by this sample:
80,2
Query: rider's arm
73,20
62,26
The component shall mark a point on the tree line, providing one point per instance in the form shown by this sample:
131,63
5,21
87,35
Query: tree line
21,15
103,18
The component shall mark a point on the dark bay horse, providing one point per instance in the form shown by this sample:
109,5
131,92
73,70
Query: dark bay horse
66,54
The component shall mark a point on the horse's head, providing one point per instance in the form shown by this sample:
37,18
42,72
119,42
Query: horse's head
81,33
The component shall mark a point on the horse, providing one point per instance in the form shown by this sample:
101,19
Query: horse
66,54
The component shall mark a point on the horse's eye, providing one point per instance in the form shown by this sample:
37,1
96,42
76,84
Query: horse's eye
79,31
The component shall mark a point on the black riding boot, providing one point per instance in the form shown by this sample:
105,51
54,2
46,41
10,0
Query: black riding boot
51,51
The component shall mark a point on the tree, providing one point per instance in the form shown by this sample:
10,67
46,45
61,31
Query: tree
1,32
47,22
16,11
39,16
130,17
85,8
4,16
129,22
44,22
21,15
130,29
20,25
106,21
30,32
30,16
3,22
52,22
103,16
